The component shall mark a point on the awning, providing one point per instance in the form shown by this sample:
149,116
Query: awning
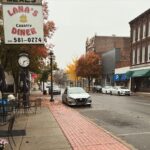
129,74
141,73
138,73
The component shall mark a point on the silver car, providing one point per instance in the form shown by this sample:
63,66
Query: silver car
76,96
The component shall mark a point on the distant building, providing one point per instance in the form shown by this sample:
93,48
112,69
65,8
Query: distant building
140,52
109,60
102,44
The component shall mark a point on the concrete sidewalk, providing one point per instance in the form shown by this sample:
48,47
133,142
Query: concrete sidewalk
42,131
59,127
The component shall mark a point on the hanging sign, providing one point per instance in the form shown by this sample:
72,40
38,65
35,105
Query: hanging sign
23,24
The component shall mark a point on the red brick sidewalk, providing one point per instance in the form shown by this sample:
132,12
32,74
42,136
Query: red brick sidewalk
82,133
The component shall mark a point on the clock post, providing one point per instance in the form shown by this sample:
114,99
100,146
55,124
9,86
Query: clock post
24,61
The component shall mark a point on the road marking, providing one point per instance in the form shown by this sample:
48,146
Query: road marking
142,103
140,133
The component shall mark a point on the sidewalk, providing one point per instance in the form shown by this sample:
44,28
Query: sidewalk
42,132
59,127
82,133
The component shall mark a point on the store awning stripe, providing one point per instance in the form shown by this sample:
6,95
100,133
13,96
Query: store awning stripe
138,73
141,73
129,74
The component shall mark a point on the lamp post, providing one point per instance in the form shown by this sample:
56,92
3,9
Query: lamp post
51,72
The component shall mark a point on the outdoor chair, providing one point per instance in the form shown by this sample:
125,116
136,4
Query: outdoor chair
10,127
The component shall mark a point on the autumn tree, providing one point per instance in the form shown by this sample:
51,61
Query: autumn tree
9,53
71,71
88,66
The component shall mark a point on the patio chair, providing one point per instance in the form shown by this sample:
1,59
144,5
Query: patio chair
10,127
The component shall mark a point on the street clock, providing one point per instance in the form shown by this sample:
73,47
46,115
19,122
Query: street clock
23,60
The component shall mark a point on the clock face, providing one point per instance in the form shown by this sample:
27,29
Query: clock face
23,61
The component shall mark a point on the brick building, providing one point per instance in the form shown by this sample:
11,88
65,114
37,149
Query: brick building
140,52
102,44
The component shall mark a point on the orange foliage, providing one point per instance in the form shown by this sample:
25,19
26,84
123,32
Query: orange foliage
88,65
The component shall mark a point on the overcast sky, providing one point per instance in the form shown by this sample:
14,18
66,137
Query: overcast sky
77,20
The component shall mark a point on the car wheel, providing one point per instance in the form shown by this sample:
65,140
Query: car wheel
110,93
119,93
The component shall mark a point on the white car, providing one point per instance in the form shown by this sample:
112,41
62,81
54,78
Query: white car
76,96
106,89
120,90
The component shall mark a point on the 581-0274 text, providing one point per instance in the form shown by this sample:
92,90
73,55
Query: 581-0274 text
29,40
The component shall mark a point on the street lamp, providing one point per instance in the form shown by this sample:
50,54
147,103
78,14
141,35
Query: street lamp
51,72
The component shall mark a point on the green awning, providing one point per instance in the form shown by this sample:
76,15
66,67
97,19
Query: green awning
129,74
141,73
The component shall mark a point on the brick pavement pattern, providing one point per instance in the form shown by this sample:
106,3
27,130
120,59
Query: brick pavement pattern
81,132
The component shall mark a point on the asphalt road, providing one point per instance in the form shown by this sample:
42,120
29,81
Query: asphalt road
127,117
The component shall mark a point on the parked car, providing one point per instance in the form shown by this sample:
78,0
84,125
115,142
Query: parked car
76,96
106,89
97,88
45,87
120,90
56,90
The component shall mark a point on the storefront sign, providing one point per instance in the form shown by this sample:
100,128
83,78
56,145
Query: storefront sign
120,77
116,77
23,24
22,1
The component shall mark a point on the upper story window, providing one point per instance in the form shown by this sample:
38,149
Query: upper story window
148,53
138,55
143,54
133,56
139,31
149,28
144,30
134,35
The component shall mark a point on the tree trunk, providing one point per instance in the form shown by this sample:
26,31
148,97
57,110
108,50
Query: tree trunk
89,83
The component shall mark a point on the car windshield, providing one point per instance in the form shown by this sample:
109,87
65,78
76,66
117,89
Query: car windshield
56,87
76,90
107,87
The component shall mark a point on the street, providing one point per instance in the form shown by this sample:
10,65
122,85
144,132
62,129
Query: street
126,117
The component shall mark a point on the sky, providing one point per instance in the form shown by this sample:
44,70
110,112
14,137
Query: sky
77,20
